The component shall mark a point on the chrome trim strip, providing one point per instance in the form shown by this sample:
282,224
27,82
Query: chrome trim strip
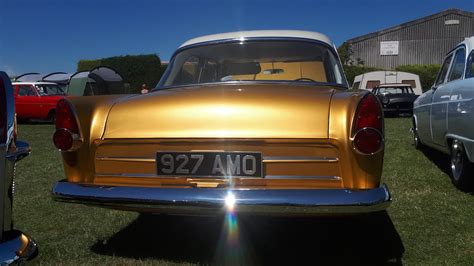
332,178
219,178
382,144
126,159
442,102
130,175
266,159
298,159
212,200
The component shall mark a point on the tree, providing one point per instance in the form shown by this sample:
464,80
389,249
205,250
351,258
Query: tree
345,53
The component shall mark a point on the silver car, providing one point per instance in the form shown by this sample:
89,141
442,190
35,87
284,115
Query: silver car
14,245
443,117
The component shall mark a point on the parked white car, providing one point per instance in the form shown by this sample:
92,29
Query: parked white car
444,115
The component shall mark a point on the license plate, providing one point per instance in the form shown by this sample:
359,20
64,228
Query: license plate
209,164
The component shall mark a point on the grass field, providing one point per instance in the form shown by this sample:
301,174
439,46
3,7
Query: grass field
429,222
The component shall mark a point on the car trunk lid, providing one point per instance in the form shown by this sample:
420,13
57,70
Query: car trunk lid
224,111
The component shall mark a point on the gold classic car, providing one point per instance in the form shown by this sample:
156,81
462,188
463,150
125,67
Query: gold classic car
255,122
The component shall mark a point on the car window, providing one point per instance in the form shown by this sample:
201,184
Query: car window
409,81
457,68
392,90
49,89
189,71
444,70
470,66
295,61
372,83
26,90
356,85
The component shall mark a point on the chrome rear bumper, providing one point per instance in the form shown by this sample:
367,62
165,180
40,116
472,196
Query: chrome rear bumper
204,201
16,248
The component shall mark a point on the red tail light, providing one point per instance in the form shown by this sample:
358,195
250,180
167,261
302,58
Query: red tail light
67,129
368,126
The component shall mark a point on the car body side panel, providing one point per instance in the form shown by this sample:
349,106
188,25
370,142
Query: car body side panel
26,106
364,170
461,114
79,165
421,113
35,106
439,114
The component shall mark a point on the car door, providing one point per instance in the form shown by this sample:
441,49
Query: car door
439,104
20,104
26,102
461,106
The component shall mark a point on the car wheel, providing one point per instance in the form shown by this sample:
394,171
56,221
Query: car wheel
416,138
461,168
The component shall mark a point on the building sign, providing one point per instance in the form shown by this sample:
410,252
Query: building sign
389,48
451,22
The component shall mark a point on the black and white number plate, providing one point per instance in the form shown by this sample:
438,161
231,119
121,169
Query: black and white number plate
209,164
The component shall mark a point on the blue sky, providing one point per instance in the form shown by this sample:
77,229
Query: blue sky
46,36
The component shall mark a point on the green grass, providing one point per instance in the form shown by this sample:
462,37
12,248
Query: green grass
430,222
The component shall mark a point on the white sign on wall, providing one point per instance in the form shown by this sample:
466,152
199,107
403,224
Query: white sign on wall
389,48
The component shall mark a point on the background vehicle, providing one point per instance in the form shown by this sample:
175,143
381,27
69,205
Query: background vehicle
395,98
443,116
100,80
36,100
14,245
370,80
259,122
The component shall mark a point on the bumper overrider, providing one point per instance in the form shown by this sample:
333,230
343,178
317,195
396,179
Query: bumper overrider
203,201
16,248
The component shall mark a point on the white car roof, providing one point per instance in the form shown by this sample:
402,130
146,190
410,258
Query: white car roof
260,34
33,83
469,42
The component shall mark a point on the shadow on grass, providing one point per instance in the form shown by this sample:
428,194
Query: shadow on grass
441,160
249,240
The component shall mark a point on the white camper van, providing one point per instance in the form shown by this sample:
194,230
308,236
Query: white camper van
370,80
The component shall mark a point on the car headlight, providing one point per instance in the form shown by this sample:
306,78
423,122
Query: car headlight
385,100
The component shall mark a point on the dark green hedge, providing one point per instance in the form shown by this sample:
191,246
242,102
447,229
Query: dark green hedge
427,73
135,69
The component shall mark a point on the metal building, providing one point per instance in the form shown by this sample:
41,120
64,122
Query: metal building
422,41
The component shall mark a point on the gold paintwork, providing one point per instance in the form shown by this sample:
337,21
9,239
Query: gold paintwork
223,111
122,135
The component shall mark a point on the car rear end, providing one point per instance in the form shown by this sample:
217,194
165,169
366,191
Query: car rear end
266,127
334,171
